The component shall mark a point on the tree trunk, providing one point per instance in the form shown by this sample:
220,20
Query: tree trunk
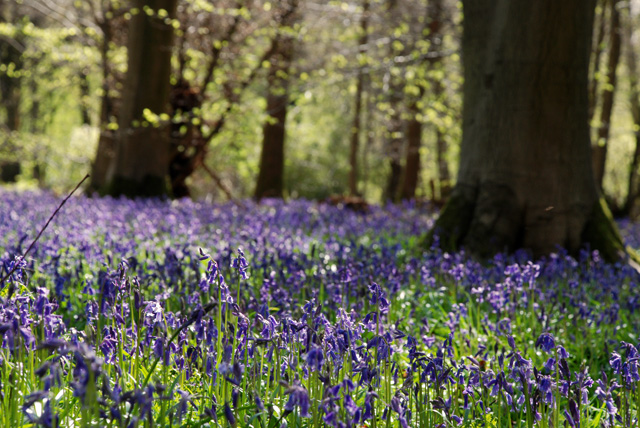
444,175
105,153
599,149
412,162
140,166
368,140
355,127
10,93
394,86
395,166
630,207
435,15
85,93
596,53
270,176
525,177
395,139
10,84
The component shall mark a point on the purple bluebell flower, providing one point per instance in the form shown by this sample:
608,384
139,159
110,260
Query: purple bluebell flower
240,263
183,403
298,396
550,365
259,403
572,415
378,298
546,342
228,414
604,393
315,358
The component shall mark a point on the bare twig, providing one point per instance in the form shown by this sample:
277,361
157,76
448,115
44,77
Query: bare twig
4,278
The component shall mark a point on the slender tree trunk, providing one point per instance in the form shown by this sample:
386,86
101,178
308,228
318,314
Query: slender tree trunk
596,53
525,177
35,125
442,158
435,15
630,206
85,93
412,162
394,86
394,152
11,84
442,153
271,173
368,141
355,127
105,153
10,93
270,177
140,167
599,149
395,140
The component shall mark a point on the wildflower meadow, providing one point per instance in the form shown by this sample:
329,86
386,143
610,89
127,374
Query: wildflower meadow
154,313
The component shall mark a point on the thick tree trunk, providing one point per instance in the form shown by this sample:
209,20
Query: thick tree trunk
140,166
525,177
599,149
271,174
357,111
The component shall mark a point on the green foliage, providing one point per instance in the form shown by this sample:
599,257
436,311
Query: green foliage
61,56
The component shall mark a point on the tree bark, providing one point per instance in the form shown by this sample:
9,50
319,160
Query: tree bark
599,149
525,177
141,161
271,173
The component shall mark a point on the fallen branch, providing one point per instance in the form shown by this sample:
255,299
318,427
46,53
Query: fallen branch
4,278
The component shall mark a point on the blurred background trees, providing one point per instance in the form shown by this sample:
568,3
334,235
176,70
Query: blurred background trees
297,98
